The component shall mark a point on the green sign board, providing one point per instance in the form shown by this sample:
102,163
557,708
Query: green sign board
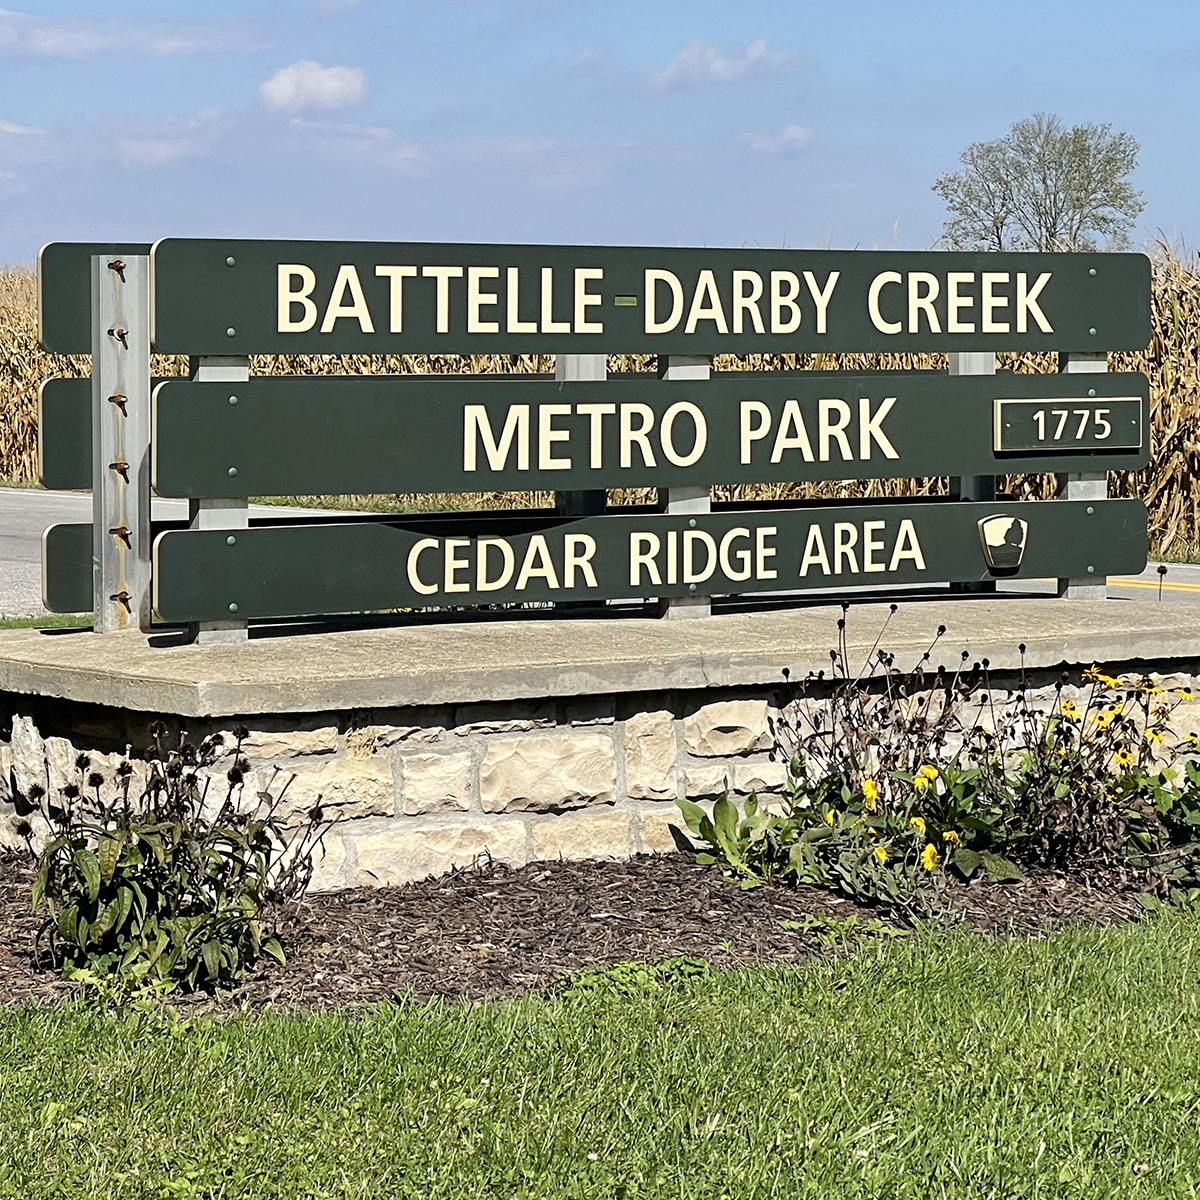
64,291
217,297
303,569
331,435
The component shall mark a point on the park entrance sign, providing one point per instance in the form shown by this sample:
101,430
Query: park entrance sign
222,436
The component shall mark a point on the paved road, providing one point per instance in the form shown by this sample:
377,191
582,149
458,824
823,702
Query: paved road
25,513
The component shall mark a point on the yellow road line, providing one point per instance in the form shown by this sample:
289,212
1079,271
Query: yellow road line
1154,584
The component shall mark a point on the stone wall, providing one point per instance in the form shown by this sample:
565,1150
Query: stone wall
419,791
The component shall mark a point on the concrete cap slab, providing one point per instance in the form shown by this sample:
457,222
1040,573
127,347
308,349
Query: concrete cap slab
537,659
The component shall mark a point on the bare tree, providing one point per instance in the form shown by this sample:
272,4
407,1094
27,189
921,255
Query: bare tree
1043,187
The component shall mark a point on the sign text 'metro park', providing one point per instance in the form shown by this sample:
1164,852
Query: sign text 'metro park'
215,297
394,433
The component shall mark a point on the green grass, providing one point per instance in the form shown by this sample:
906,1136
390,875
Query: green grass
944,1065
49,621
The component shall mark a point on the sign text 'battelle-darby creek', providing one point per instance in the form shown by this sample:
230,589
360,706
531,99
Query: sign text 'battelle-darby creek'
243,297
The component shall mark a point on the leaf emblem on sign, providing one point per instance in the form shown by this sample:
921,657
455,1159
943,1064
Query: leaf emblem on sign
1003,540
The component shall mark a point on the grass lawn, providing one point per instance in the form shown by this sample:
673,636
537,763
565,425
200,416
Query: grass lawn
47,621
944,1064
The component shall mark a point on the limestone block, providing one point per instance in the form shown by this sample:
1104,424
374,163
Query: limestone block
548,772
704,780
407,852
346,788
436,783
49,762
279,743
6,763
503,718
759,777
728,727
371,739
654,831
329,865
650,755
589,834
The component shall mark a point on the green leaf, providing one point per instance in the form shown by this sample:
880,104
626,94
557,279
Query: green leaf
89,866
966,862
108,854
210,952
124,906
272,947
693,815
1001,869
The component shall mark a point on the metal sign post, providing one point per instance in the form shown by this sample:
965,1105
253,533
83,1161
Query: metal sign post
120,443
1083,485
216,513
686,501
972,487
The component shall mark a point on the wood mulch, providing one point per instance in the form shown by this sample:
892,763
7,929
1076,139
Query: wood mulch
491,932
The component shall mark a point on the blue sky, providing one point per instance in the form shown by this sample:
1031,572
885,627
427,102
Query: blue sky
658,122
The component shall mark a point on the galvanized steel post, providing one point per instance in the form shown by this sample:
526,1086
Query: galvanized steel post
973,487
120,443
685,501
216,512
1083,485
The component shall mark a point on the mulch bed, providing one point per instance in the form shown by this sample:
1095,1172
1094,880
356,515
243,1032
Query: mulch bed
491,932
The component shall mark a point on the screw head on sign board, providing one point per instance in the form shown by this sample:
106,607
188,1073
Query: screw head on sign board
231,332
1091,569
233,608
1092,332
231,261
1091,270
233,472
233,400
231,540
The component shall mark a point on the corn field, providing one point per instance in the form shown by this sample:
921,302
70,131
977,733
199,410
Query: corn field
1171,362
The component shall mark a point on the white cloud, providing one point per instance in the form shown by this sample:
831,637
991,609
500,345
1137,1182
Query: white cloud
789,138
308,85
11,127
80,37
163,144
699,63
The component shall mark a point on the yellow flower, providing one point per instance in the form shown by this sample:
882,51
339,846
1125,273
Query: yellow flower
1095,675
1069,708
950,836
1103,719
830,817
870,792
1123,757
929,771
880,854
1154,736
929,857
1149,689
917,823
1185,693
